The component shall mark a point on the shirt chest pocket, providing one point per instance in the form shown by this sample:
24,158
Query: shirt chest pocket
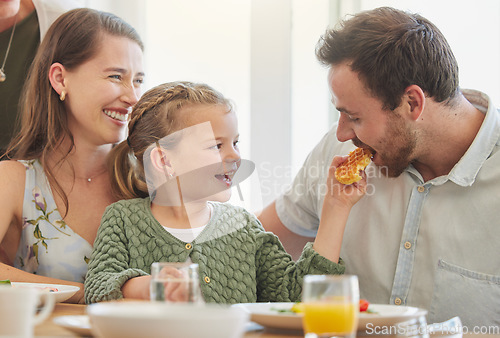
473,296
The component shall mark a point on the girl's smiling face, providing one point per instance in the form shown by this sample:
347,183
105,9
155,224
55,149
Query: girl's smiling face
207,155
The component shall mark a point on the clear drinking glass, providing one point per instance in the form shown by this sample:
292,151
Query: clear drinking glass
175,282
330,305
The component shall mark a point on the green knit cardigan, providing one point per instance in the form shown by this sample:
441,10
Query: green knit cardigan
238,261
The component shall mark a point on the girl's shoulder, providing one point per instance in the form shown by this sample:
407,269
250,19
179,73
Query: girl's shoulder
127,212
132,205
227,212
127,207
228,208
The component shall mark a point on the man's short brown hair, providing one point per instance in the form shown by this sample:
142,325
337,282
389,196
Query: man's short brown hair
391,50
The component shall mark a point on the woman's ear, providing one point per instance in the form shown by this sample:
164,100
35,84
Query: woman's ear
415,97
57,74
161,162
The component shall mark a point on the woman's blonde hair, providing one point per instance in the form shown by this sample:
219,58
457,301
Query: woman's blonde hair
155,116
71,40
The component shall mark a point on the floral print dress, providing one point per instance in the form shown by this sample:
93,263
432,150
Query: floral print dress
48,246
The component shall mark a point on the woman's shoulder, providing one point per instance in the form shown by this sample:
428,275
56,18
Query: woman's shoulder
13,164
12,181
12,173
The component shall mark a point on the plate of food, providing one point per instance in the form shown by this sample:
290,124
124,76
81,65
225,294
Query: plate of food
288,315
61,292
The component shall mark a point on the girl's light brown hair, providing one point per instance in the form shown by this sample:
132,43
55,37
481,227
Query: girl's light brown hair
156,115
72,39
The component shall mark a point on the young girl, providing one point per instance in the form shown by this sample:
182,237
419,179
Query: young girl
178,163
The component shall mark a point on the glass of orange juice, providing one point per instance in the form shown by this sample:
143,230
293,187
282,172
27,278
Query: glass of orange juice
330,305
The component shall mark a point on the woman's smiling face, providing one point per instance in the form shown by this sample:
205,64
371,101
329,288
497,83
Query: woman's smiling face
100,93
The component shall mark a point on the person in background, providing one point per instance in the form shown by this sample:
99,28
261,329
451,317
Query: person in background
179,162
426,234
85,78
23,24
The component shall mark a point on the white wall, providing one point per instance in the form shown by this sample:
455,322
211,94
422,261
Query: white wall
270,94
133,11
310,96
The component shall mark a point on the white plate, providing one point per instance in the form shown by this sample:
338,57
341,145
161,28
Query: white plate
387,315
78,324
268,315
63,292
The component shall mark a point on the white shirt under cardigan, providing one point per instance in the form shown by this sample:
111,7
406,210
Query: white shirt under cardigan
434,245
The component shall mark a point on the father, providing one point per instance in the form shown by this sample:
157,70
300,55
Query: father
427,233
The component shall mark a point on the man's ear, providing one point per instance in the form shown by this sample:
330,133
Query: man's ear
57,74
415,98
161,162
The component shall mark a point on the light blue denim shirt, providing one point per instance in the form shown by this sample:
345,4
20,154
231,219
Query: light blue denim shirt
433,245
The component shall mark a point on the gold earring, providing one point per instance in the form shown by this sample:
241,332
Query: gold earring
62,96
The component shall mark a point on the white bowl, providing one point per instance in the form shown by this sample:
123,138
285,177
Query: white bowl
153,319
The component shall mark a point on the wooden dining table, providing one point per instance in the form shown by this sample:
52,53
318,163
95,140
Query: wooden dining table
49,328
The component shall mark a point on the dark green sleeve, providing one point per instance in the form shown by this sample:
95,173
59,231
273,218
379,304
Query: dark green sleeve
109,264
279,278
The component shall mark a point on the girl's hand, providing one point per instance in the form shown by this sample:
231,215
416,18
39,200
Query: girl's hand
338,194
176,287
339,199
137,287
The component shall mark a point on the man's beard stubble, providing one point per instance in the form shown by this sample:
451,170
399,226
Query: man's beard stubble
396,148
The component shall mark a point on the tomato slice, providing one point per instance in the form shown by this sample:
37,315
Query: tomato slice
363,305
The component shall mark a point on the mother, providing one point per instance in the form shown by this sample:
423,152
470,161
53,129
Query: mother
85,78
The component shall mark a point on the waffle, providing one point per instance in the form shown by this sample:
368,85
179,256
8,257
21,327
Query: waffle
348,171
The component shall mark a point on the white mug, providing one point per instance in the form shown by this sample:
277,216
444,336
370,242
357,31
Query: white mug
18,310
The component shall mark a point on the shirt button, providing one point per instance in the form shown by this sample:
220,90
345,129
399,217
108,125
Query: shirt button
420,188
398,301
188,246
407,245
207,279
